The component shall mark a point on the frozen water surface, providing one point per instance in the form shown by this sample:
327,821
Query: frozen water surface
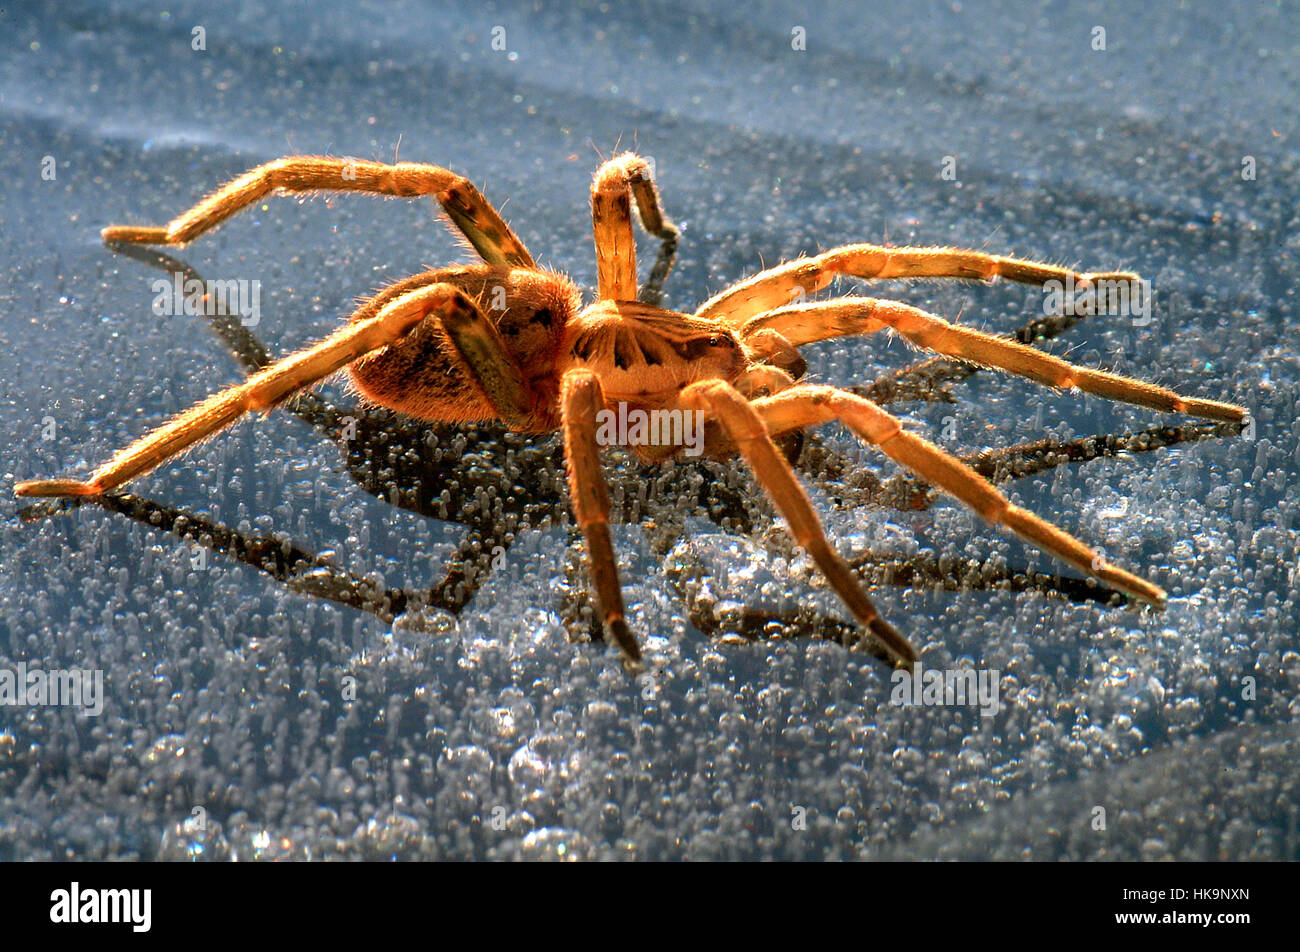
292,669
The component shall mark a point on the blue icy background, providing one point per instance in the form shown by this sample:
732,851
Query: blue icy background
226,687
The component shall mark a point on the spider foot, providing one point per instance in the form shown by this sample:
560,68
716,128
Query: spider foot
900,651
56,487
631,651
134,235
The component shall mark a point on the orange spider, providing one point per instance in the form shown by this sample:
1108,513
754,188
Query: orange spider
508,340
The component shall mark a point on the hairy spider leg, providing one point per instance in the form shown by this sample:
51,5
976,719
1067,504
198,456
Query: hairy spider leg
805,323
784,283
616,183
263,390
809,404
581,399
464,205
753,438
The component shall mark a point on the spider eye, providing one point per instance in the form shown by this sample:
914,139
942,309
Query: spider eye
698,348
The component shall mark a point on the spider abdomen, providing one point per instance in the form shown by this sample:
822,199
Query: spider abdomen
421,375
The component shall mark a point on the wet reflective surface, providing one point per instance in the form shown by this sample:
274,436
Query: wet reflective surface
330,632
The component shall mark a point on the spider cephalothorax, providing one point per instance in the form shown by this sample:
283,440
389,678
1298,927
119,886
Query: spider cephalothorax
508,340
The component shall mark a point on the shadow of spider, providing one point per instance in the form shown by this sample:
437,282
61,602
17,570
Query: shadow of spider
498,484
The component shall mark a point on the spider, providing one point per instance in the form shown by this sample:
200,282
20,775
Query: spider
508,340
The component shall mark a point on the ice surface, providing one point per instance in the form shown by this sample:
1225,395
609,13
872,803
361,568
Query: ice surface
317,707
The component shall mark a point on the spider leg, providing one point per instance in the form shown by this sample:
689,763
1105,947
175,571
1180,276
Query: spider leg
616,182
468,210
265,389
784,283
746,429
810,322
809,404
581,398
800,324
